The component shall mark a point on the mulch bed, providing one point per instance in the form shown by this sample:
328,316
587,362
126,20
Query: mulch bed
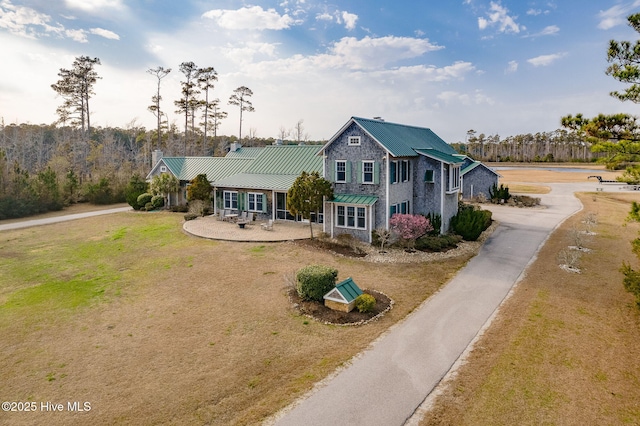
344,250
319,312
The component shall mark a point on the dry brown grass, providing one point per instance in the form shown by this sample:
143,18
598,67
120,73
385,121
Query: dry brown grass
564,348
192,332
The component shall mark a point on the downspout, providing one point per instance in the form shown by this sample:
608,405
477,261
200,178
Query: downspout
388,206
442,191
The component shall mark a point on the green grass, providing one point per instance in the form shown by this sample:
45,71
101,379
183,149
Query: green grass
45,279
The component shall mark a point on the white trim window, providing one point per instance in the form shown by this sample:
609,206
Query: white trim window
341,171
399,171
353,141
348,216
453,183
230,200
163,169
256,201
368,171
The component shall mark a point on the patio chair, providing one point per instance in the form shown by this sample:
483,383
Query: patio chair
268,226
221,214
243,217
250,218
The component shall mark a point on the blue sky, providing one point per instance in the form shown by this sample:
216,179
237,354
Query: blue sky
497,67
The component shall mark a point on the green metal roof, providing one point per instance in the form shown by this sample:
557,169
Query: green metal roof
287,160
187,168
402,140
257,181
474,165
348,289
245,152
440,156
366,200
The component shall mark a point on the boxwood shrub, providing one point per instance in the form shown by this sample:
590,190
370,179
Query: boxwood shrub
314,281
365,303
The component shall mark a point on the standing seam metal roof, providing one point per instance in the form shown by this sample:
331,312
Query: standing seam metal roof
187,168
402,140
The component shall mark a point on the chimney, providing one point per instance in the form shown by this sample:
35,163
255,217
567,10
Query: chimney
156,156
378,118
234,147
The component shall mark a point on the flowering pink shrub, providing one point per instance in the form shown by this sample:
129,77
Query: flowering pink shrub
410,227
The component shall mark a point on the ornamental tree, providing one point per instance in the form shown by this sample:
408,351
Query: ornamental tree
409,227
306,195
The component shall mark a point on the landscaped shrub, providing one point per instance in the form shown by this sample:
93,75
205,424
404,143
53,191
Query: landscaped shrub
157,201
143,199
437,243
101,192
499,194
409,227
190,216
133,190
470,222
365,303
314,281
436,222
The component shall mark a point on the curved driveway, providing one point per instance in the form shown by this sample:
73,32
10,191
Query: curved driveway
388,382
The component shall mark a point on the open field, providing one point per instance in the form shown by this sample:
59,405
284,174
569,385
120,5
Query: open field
564,348
152,326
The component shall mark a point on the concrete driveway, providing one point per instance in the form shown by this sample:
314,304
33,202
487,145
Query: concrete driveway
56,219
387,384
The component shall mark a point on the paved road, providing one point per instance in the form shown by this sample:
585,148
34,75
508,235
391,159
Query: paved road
387,383
56,219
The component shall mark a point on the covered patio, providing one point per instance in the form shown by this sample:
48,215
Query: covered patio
212,228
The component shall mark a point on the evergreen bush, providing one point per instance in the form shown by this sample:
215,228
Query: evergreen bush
314,281
365,303
143,199
157,201
470,222
438,242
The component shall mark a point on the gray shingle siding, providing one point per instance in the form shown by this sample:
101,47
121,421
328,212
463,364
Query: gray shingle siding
478,181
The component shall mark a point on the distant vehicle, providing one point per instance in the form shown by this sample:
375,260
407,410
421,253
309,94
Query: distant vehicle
632,186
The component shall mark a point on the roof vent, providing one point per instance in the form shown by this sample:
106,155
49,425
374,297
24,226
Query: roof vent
378,118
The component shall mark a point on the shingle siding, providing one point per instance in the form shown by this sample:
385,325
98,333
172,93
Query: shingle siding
478,181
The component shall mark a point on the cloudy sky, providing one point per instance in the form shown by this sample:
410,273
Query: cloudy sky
498,67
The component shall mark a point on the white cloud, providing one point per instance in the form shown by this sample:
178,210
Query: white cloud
549,30
476,98
498,16
93,6
350,20
616,15
104,33
324,17
77,35
511,67
545,60
371,53
24,21
250,18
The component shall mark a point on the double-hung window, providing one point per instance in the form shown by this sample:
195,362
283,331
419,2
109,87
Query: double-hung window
256,202
351,217
367,171
231,200
399,208
399,171
341,171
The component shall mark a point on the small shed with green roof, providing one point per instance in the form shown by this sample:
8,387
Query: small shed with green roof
343,296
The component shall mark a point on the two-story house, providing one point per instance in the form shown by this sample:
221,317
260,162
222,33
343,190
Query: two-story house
379,169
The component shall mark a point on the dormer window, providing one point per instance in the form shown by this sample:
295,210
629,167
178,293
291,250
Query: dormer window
354,140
